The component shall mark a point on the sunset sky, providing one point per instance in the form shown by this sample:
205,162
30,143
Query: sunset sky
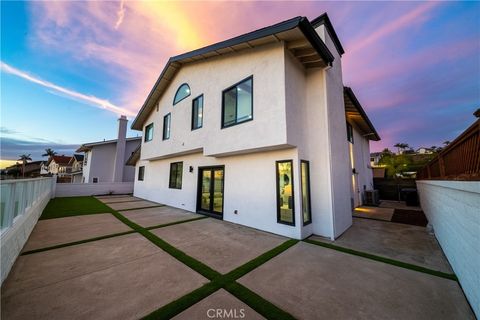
69,68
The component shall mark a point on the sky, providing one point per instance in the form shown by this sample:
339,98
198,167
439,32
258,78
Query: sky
70,68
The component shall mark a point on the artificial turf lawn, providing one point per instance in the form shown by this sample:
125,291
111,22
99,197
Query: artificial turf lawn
397,263
73,206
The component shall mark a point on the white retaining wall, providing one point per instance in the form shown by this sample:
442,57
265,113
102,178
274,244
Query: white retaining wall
91,189
453,209
23,202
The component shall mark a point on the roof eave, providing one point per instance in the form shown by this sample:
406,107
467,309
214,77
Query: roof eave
301,22
363,114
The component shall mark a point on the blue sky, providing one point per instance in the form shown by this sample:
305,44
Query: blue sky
69,68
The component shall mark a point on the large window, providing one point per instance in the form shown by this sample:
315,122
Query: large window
141,173
149,132
349,132
306,202
285,199
237,103
197,112
176,171
182,92
166,126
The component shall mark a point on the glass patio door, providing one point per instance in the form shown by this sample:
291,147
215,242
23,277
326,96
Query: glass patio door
210,193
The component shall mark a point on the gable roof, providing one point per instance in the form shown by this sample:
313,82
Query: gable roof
298,28
88,146
60,159
323,19
354,112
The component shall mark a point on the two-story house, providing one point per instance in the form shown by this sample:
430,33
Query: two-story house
76,162
105,161
60,166
258,130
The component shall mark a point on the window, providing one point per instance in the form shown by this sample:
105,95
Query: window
306,202
85,160
149,132
95,180
237,103
176,171
141,173
285,200
197,112
182,92
349,132
166,127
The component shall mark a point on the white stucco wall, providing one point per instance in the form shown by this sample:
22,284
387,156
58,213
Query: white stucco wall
101,159
307,128
453,209
250,187
361,162
339,154
210,78
92,189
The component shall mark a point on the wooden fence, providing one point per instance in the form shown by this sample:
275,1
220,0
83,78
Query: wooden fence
460,160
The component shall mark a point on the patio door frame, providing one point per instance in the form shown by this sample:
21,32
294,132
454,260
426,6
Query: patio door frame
210,213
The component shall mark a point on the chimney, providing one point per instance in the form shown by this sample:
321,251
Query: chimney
120,150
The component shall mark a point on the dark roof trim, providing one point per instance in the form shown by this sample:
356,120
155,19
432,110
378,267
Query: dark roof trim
325,20
301,22
362,112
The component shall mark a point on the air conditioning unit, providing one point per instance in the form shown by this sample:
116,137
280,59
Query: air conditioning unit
372,197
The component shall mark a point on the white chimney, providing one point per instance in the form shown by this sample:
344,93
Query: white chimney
120,151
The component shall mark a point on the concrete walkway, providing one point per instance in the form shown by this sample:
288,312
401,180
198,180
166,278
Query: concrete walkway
129,276
402,242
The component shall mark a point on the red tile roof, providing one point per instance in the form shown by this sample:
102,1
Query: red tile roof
61,159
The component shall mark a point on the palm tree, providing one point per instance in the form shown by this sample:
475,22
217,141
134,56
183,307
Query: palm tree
49,153
24,158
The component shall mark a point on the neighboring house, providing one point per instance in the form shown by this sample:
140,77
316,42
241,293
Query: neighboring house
32,170
44,168
423,150
258,130
375,158
77,164
60,166
104,161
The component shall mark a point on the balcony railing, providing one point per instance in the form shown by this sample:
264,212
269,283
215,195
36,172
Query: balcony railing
18,196
460,160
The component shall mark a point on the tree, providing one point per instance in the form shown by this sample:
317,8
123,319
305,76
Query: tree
386,151
446,143
24,158
49,153
401,147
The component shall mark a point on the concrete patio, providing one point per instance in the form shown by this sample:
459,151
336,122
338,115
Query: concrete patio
129,276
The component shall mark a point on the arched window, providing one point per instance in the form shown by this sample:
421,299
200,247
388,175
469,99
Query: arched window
182,92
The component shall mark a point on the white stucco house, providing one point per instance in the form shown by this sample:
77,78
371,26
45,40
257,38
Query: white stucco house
59,165
258,130
76,162
105,161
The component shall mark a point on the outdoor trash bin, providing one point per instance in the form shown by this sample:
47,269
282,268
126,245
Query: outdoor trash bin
411,196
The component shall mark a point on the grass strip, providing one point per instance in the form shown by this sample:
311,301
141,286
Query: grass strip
181,256
257,303
397,263
74,243
156,206
258,261
175,307
174,223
